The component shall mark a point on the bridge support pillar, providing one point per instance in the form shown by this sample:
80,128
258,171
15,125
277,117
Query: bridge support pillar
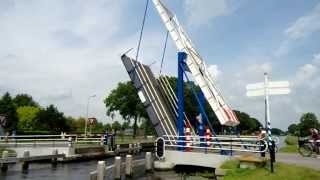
71,149
101,168
130,149
117,150
128,168
117,168
4,166
25,164
149,162
54,160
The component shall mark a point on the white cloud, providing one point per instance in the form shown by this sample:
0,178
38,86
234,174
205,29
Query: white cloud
305,25
305,74
214,71
316,59
302,28
61,51
259,68
201,12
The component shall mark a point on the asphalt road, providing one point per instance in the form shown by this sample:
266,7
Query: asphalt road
297,159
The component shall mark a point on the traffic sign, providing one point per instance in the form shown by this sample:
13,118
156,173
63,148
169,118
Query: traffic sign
271,84
271,91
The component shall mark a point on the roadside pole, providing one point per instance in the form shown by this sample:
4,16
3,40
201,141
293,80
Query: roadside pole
267,121
266,89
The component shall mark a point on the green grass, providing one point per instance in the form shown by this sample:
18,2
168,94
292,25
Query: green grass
291,140
131,140
233,164
282,172
289,149
10,151
292,145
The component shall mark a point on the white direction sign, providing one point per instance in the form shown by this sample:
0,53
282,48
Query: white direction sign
265,89
271,88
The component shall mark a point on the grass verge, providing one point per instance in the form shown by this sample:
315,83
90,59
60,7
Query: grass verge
9,150
289,149
291,140
282,172
292,145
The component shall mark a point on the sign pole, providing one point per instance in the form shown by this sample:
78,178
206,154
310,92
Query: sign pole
266,89
267,120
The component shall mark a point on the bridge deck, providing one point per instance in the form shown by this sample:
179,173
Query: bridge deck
174,158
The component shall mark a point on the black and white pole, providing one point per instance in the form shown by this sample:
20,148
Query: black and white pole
267,120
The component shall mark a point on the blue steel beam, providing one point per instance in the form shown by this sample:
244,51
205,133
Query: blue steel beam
182,56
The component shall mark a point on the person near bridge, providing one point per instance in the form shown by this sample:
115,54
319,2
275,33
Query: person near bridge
315,138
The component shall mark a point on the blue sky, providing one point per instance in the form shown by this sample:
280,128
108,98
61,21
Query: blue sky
63,51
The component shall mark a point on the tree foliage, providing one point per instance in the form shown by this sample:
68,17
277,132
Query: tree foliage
293,129
52,120
24,100
8,108
28,117
307,121
247,124
124,99
277,131
108,127
116,126
147,127
125,125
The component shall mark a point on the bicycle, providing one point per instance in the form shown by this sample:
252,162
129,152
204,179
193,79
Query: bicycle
307,148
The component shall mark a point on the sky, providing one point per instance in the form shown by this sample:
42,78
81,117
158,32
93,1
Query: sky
61,52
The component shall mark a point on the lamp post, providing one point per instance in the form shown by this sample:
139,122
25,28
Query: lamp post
86,122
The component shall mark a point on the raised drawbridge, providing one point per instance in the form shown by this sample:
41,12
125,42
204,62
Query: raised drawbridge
158,96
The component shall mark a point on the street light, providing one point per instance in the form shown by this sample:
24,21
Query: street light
86,122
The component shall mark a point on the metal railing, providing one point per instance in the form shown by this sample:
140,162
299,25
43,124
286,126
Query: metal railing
218,143
64,140
47,140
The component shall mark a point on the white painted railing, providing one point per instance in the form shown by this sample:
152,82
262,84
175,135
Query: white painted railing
218,143
48,140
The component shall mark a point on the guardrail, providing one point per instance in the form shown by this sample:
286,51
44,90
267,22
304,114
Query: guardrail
47,140
218,143
65,140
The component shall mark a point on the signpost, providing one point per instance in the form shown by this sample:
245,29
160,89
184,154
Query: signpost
266,89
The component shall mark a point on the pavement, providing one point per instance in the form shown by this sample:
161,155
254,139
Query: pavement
297,159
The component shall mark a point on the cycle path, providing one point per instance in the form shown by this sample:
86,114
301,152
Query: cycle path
297,159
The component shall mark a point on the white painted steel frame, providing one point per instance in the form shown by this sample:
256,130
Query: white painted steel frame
197,67
157,107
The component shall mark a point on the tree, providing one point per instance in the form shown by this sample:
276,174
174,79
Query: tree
247,124
293,129
8,109
307,121
108,127
125,125
27,117
76,125
147,127
51,119
125,100
116,126
276,131
24,100
192,105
